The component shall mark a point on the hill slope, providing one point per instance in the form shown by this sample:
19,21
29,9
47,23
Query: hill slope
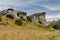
28,31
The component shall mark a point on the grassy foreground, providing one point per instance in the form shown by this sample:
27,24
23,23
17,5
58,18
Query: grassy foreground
19,33
27,31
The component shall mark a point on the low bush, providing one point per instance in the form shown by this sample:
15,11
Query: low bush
9,16
18,22
56,25
48,26
29,19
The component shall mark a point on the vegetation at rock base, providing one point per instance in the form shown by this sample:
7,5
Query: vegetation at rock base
9,16
29,19
18,22
30,31
55,25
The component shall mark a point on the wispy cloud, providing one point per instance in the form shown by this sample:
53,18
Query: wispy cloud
53,7
17,3
33,6
21,3
53,17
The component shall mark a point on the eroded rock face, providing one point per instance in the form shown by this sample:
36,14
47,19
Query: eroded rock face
10,12
39,16
15,14
23,15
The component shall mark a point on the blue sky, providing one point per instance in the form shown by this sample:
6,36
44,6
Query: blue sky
51,7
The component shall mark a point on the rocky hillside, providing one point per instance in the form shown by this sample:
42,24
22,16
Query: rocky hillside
22,29
27,31
35,18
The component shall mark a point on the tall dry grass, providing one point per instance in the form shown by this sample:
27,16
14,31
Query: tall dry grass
24,32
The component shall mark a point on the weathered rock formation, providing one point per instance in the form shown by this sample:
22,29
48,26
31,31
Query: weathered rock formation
10,12
15,14
20,14
39,16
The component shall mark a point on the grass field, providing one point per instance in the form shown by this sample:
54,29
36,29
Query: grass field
25,32
17,33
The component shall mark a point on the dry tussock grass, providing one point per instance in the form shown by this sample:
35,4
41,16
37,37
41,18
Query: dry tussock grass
10,33
24,32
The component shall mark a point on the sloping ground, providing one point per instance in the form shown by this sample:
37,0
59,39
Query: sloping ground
17,33
28,31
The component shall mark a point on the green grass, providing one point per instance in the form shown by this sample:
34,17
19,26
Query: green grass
53,38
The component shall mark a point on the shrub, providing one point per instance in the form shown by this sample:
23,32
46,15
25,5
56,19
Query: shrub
0,19
10,16
29,19
48,26
56,25
18,22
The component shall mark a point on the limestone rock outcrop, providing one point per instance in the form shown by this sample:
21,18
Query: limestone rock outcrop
23,15
39,16
10,12
15,14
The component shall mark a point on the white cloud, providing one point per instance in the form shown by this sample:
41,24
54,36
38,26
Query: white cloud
25,3
4,7
21,3
53,7
53,17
